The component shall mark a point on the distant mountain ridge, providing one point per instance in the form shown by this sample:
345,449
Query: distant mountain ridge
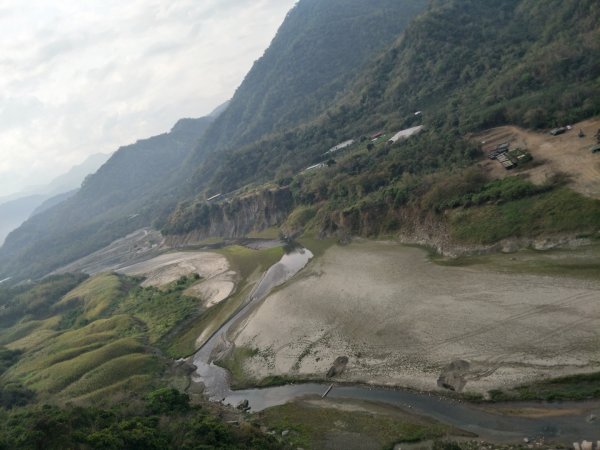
21,206
125,194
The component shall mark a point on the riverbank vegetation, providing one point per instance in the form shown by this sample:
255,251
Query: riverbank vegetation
573,387
312,423
163,419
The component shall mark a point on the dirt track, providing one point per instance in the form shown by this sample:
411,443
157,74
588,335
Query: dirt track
402,320
565,153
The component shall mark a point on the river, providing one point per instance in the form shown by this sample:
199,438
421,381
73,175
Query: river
491,426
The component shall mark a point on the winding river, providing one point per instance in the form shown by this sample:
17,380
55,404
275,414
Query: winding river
573,424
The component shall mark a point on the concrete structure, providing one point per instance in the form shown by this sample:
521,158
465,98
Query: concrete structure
316,166
405,134
341,146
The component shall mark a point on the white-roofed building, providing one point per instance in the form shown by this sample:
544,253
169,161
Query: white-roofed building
405,134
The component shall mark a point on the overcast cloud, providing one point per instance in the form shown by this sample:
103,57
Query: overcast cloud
83,77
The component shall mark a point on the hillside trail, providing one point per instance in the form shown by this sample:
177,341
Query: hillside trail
567,153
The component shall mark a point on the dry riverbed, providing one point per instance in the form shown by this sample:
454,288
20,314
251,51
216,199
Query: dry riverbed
402,320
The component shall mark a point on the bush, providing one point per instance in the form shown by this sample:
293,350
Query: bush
167,400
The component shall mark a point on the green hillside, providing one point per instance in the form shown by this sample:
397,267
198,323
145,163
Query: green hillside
320,47
467,66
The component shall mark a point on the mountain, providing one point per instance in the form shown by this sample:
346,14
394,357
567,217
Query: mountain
466,65
13,213
340,70
74,177
125,194
320,47
18,207
53,201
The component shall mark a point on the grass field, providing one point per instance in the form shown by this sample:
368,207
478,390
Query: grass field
97,296
87,343
352,425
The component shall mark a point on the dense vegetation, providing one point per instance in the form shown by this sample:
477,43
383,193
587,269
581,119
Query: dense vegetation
467,65
164,419
73,337
573,387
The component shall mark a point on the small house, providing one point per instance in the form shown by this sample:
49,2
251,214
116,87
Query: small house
376,135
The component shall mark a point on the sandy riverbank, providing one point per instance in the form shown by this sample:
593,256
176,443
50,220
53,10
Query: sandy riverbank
217,283
402,320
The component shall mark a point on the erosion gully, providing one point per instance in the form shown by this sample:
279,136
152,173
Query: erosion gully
484,422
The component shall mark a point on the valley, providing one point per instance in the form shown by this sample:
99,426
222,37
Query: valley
388,238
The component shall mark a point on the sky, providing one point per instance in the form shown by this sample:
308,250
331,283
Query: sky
84,77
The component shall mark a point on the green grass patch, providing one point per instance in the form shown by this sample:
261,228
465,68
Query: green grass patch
582,263
131,388
267,233
115,371
247,262
96,297
558,211
574,387
311,426
28,333
161,310
318,247
57,377
199,331
234,363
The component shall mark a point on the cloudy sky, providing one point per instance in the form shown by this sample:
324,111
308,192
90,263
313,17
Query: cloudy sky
83,77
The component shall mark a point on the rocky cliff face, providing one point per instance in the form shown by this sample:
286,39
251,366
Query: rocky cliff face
233,218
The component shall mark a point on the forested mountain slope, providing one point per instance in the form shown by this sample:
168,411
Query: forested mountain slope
320,47
467,65
124,195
